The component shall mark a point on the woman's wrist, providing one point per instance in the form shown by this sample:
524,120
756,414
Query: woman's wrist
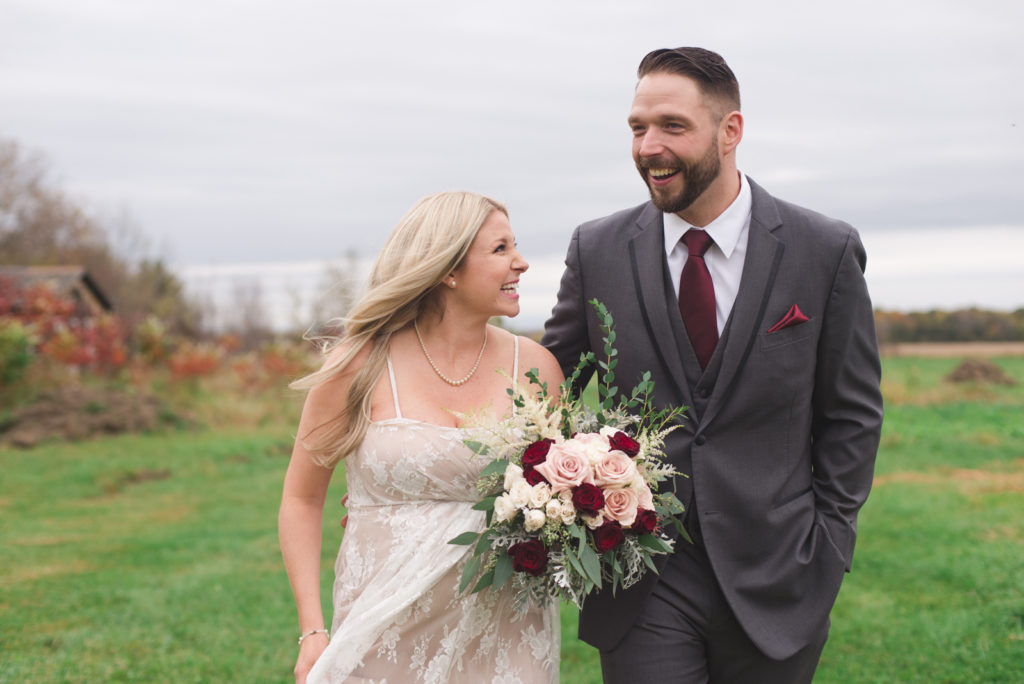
313,632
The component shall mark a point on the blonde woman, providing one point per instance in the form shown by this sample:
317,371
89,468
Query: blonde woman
417,355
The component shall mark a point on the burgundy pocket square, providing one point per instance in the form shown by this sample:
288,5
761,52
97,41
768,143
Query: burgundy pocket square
793,317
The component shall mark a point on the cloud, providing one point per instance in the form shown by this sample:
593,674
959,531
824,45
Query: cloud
261,130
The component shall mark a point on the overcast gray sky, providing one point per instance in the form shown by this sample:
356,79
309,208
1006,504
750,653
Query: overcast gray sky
240,132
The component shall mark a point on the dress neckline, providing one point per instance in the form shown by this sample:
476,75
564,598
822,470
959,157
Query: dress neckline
402,420
398,417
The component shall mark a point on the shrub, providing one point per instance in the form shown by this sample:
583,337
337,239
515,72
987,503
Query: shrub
16,345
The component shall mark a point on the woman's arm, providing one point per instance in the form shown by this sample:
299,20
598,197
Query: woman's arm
299,525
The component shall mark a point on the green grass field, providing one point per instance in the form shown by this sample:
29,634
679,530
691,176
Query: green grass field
153,558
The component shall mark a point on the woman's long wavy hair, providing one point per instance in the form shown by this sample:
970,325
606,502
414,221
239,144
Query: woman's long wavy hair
429,242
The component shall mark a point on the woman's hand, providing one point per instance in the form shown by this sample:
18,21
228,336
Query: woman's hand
309,651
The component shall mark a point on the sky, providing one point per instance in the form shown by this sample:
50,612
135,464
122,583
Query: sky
258,140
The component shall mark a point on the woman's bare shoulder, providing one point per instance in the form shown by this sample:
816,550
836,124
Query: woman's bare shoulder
533,355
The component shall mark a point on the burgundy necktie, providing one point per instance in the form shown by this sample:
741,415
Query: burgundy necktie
697,297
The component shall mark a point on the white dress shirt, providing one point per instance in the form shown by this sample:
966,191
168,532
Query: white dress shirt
724,258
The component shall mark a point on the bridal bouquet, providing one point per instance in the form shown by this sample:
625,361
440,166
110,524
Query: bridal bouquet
571,494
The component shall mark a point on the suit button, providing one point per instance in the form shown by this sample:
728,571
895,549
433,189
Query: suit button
703,392
699,440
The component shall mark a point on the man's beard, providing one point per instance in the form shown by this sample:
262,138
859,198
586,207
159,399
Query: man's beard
696,179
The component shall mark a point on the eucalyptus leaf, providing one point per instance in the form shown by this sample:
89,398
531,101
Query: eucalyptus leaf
654,543
495,467
591,564
485,581
465,539
472,565
485,504
502,569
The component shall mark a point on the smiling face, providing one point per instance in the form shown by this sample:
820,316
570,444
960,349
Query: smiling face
679,145
487,281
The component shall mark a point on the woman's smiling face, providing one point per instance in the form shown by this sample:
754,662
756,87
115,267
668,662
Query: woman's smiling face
487,281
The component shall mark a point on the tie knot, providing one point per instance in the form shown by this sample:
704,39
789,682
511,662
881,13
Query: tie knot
697,241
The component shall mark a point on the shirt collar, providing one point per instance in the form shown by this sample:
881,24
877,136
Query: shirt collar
725,230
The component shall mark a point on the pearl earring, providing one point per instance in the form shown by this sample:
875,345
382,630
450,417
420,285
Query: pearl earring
452,284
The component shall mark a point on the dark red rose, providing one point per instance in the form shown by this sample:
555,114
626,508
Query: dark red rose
533,477
529,557
624,443
608,536
536,453
646,521
588,498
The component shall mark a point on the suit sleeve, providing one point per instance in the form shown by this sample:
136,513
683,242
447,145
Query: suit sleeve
565,333
847,402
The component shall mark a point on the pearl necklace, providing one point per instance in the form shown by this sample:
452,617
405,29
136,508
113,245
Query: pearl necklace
453,383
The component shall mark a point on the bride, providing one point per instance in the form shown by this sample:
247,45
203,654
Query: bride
392,400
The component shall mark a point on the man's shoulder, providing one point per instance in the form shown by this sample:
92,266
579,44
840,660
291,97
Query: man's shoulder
615,222
773,211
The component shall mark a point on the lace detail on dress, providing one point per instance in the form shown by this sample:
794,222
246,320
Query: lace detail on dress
398,616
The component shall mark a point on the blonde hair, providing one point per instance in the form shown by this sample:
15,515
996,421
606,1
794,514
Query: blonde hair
429,242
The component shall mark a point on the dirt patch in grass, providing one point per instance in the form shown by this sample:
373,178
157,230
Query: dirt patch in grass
35,572
980,371
72,413
44,541
135,477
966,479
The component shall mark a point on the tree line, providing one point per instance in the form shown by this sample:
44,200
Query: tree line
41,225
961,325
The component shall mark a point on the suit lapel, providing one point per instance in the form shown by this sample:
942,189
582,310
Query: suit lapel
646,249
764,253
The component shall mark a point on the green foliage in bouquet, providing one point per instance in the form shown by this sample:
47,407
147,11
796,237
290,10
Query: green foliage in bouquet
571,495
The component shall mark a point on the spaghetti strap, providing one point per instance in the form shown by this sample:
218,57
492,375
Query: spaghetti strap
515,372
394,387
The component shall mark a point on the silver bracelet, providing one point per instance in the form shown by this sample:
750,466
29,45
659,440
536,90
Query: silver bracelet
315,631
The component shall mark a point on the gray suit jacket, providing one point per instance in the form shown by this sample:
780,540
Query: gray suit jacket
782,456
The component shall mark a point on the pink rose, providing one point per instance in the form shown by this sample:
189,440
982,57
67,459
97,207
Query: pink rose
615,469
643,492
621,505
566,467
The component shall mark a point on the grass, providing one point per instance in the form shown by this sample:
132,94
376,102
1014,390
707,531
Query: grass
153,558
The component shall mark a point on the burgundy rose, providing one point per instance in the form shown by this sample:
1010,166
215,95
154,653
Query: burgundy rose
529,557
588,498
533,476
608,536
646,521
536,453
624,443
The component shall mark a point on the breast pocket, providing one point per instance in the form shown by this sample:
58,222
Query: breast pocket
790,335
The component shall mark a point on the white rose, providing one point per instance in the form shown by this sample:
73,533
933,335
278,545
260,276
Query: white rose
565,496
540,495
534,520
593,521
513,474
504,509
553,509
568,513
520,493
593,446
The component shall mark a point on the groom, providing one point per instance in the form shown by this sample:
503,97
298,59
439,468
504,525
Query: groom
754,313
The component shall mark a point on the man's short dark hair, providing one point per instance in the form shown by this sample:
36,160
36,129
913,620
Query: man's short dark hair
712,75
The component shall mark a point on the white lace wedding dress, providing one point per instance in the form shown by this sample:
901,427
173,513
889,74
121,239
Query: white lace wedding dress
398,616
